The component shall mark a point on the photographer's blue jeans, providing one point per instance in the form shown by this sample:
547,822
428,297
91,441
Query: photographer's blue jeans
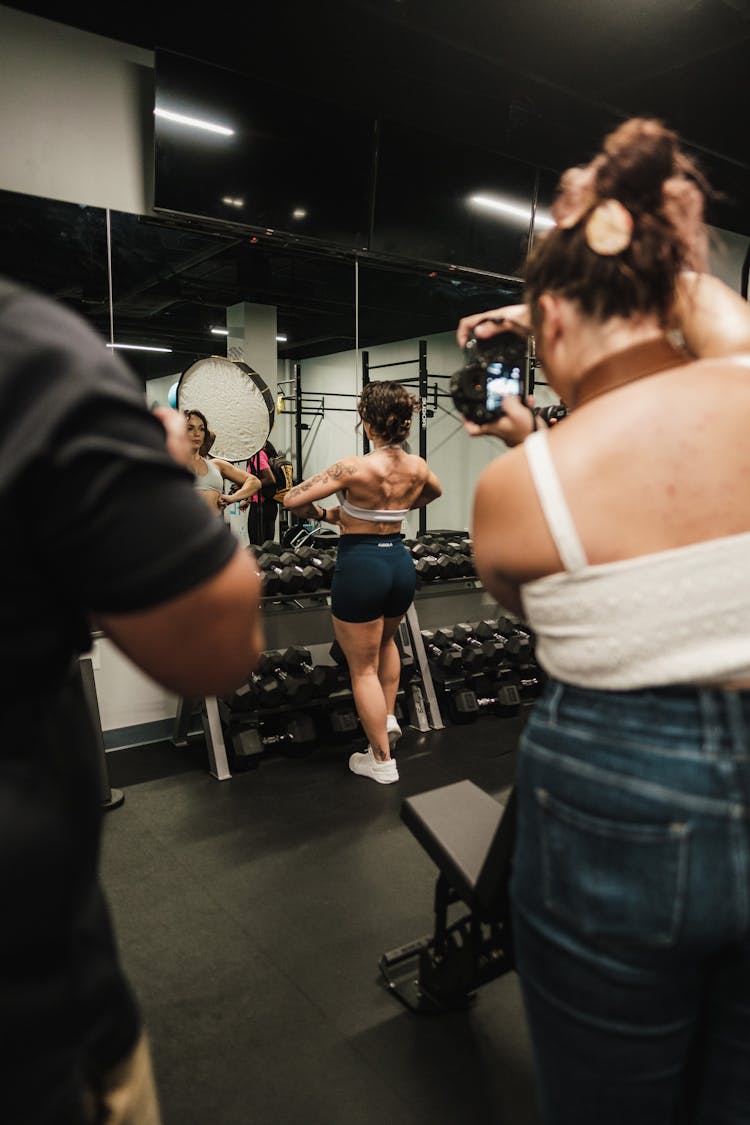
631,892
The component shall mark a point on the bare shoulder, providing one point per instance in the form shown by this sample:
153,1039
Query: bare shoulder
417,465
505,472
347,467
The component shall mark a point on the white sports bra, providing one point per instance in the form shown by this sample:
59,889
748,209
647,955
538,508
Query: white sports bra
381,515
213,481
680,616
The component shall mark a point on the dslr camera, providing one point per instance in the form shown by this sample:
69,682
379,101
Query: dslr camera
494,368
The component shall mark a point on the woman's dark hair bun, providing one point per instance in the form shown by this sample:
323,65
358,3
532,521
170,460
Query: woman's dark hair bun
388,408
636,160
642,167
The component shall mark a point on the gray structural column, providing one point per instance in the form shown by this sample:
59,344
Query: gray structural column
252,339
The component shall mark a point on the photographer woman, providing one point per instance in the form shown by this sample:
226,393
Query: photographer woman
623,536
374,581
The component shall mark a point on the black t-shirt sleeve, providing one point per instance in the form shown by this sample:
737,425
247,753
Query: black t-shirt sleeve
116,524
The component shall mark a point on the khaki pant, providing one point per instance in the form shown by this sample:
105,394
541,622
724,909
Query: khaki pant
128,1093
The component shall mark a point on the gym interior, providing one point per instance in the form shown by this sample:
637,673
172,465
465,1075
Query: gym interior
306,947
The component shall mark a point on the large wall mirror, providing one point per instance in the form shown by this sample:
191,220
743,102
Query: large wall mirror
170,292
59,249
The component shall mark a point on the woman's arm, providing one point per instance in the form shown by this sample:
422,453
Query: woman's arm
510,318
713,319
431,490
491,528
248,483
301,498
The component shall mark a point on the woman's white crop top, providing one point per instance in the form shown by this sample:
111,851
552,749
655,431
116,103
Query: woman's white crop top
213,481
379,515
680,616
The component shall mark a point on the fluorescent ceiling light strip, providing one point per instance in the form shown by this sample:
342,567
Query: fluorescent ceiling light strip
139,347
513,209
225,332
194,122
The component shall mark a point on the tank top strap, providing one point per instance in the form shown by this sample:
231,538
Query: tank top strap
553,502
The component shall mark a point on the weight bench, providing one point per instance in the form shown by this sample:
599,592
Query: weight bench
469,835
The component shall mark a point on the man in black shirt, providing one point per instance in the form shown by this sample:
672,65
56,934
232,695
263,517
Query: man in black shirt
100,524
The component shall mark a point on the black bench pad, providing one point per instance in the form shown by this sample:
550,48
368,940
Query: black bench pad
461,828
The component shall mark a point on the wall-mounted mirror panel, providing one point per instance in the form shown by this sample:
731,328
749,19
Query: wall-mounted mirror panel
196,292
173,284
547,185
59,249
441,201
238,149
398,308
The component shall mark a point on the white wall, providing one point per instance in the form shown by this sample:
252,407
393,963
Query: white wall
157,390
125,695
728,252
73,108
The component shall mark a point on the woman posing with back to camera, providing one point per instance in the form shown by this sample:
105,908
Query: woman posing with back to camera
623,536
374,581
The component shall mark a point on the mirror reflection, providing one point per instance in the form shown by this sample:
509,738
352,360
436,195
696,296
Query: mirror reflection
314,325
60,249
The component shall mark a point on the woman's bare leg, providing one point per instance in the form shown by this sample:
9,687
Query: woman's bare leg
361,644
389,662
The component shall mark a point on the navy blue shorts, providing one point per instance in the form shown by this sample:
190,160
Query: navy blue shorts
374,577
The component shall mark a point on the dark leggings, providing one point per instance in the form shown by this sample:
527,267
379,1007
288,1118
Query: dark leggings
261,520
374,578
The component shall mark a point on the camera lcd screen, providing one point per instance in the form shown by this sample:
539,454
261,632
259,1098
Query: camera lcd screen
502,380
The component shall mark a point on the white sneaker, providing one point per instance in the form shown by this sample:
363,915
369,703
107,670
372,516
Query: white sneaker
393,729
367,765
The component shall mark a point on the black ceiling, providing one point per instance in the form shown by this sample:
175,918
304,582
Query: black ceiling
539,80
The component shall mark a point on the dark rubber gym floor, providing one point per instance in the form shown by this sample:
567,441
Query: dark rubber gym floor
251,914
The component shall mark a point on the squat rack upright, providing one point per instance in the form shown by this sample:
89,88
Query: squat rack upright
317,406
426,409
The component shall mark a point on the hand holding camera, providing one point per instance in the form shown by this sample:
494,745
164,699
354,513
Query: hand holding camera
510,318
491,389
494,371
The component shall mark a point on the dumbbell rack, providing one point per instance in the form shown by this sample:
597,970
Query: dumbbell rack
306,620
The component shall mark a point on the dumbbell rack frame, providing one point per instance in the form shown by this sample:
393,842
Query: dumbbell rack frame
306,620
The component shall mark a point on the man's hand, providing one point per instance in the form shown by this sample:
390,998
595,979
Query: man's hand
511,318
175,427
512,427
